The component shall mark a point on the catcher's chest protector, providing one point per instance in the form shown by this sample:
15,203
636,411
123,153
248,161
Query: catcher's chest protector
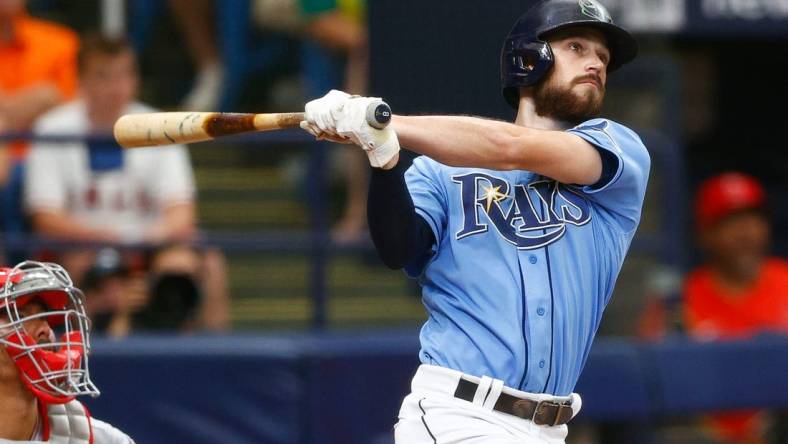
69,423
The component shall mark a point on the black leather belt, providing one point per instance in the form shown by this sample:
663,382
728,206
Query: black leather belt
540,412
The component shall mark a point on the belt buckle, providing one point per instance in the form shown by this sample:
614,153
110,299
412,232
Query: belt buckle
558,406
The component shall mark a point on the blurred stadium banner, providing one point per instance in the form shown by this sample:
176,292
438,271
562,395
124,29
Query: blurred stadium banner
702,17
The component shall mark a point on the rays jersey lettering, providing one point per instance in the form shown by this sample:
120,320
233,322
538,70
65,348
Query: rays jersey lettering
521,224
523,266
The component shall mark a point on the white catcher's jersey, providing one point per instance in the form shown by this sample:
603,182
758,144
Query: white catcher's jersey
104,433
101,185
69,424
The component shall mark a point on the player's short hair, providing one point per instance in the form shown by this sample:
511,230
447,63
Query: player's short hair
96,43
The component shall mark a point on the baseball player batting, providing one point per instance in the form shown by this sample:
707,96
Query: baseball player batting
516,232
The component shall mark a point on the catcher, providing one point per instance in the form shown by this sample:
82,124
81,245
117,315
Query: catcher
41,371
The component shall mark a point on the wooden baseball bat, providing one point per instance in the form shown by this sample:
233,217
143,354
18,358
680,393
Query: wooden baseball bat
156,129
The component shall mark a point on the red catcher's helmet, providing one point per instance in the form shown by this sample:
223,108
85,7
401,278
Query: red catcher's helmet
55,372
725,194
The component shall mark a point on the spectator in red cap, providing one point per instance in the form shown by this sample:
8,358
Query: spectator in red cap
740,291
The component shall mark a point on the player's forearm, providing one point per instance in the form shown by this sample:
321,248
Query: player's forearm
62,226
453,140
474,142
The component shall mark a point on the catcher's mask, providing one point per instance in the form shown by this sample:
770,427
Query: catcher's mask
55,370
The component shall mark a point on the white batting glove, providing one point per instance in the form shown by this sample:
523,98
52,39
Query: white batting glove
381,145
321,114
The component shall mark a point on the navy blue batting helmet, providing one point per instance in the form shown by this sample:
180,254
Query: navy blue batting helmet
526,57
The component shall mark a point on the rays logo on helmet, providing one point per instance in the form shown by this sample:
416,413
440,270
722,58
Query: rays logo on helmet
595,10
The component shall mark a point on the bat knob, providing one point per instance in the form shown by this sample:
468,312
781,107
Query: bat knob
378,114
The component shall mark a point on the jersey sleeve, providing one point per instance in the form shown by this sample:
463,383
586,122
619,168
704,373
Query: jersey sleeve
174,181
429,199
625,170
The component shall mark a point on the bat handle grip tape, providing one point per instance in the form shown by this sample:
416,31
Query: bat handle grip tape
378,114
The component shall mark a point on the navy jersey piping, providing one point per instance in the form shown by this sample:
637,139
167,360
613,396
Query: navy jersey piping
552,317
525,317
552,306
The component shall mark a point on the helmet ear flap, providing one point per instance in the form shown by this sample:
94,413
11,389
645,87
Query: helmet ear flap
525,63
530,61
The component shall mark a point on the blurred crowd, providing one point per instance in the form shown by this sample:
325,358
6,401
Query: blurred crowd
131,216
738,291
126,221
92,194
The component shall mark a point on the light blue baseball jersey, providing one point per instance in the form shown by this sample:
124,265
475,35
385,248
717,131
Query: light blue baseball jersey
523,266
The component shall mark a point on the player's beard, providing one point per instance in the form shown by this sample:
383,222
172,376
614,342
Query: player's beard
565,104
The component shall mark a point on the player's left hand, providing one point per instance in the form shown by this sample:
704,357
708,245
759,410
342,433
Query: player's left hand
382,146
321,116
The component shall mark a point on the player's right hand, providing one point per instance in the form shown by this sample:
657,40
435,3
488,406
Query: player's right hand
321,116
381,145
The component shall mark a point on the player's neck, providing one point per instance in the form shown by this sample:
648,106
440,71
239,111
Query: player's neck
529,118
18,410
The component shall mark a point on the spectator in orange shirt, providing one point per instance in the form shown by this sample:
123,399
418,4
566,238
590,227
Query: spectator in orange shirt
39,65
38,70
740,291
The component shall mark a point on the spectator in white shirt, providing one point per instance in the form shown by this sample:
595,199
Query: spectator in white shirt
96,192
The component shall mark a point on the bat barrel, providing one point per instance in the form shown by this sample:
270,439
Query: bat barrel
154,129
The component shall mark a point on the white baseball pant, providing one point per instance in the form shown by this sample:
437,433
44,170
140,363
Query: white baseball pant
431,414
